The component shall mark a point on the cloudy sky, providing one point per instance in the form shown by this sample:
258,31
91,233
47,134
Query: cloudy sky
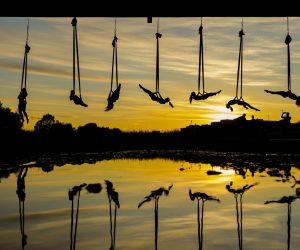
50,69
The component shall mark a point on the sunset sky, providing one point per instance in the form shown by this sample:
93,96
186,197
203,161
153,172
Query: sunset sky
50,69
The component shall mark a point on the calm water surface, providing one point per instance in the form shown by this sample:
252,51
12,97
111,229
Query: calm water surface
47,208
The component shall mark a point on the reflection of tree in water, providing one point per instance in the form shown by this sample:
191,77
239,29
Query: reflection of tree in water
155,195
203,197
238,195
112,196
21,195
288,200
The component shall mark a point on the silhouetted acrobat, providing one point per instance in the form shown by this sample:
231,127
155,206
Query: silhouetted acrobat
239,100
73,97
113,97
23,93
201,95
21,195
288,93
76,99
203,197
114,94
22,105
156,96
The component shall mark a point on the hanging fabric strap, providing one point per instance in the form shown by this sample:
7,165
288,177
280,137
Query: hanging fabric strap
158,35
201,60
114,59
240,65
24,70
75,51
287,41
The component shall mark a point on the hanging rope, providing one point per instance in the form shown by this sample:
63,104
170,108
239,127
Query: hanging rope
24,70
75,55
201,60
287,41
240,64
114,59
158,35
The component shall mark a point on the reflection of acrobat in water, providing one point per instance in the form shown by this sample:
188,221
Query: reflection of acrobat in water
155,195
238,196
21,195
203,197
156,96
288,200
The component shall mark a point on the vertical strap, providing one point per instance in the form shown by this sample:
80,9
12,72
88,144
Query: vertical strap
112,67
288,40
78,69
23,71
117,75
199,66
74,58
238,71
242,50
27,31
202,62
289,67
157,63
157,56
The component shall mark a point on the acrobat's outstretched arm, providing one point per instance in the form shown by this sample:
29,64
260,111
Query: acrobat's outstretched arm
146,90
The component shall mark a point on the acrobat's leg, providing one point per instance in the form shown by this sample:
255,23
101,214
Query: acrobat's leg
26,116
159,95
21,115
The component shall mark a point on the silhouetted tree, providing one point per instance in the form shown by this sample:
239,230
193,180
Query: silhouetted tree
45,124
9,120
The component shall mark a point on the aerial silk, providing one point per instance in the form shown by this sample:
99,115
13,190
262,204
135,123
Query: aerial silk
201,95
